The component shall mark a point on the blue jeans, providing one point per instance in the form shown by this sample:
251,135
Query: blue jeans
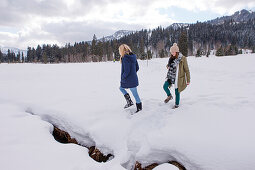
134,92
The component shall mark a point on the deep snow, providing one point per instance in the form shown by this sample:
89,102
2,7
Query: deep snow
212,129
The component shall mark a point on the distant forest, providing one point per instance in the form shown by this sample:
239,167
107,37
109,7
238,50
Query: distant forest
194,39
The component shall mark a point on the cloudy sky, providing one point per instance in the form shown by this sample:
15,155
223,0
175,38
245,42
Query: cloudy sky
31,22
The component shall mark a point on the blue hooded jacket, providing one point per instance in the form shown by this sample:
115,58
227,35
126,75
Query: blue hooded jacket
129,67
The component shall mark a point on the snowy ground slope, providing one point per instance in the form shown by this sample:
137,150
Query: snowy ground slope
212,129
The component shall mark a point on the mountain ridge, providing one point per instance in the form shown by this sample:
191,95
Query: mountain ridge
239,16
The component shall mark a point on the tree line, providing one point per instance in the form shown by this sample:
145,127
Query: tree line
193,39
11,57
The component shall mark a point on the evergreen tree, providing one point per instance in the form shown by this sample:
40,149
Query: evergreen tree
14,58
162,53
93,45
38,54
86,50
33,55
99,49
183,43
104,54
59,55
149,54
220,51
45,57
236,50
1,56
55,55
22,56
141,53
29,54
228,50
232,50
115,50
9,56
18,57
52,53
130,41
198,54
108,51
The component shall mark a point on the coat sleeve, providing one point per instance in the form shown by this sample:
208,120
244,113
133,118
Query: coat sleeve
126,67
137,66
186,69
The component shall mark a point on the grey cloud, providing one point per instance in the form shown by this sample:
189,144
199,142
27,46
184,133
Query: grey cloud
228,4
15,12
44,8
11,19
19,13
7,38
81,31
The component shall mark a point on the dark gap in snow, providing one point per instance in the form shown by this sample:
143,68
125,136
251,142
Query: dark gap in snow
63,137
180,166
98,156
138,166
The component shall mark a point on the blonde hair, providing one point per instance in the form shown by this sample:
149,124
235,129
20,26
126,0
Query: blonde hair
124,49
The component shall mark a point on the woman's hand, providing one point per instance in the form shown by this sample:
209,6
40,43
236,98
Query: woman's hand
167,66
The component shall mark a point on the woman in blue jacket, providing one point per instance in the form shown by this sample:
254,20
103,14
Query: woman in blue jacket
129,79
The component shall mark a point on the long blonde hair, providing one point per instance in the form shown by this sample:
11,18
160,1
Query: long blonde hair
124,49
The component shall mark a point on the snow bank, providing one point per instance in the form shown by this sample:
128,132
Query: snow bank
211,129
166,167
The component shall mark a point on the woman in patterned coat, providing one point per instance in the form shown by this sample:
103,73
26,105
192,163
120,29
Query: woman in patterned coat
178,75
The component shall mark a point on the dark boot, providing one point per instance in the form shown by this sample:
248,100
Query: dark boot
175,106
168,98
139,107
129,101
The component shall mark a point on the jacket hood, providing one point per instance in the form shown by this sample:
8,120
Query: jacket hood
131,57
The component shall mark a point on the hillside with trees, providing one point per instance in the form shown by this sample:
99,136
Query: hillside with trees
225,37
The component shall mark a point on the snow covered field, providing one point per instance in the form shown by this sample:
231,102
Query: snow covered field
212,130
